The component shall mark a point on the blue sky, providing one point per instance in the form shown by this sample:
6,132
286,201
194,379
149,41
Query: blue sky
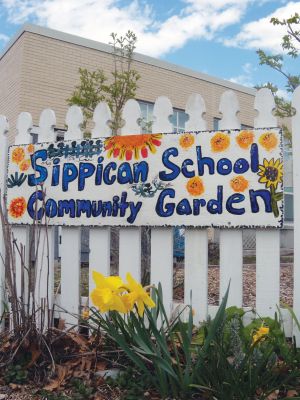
218,37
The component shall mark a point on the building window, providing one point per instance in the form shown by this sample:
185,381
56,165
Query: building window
147,116
216,122
178,120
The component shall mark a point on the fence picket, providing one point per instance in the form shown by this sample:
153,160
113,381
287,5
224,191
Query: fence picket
3,165
99,259
231,259
71,240
267,240
162,237
45,234
21,233
296,185
196,239
130,261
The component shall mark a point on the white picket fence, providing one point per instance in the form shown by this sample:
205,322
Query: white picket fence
196,239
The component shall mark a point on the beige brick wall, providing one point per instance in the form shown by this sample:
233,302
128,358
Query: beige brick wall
10,84
50,72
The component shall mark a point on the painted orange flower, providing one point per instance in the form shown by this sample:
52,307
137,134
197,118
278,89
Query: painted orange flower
186,140
132,146
30,148
17,207
24,165
18,155
245,139
195,186
239,184
220,142
268,140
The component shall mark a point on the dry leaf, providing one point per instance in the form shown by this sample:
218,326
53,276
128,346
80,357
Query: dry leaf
14,386
35,353
101,366
61,371
61,324
292,393
273,395
80,340
99,397
86,364
52,385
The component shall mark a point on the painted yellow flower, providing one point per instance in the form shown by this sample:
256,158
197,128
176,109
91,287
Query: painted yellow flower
271,173
268,140
24,165
186,140
244,139
18,155
260,334
220,142
137,295
17,207
195,186
239,184
30,148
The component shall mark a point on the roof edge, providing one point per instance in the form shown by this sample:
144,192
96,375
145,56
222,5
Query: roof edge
92,44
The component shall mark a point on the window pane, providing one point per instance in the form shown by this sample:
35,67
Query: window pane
181,119
173,120
216,123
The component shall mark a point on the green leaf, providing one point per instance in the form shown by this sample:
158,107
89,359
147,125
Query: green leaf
278,196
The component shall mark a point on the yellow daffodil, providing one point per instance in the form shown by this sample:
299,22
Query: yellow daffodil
106,295
260,333
107,300
111,282
137,295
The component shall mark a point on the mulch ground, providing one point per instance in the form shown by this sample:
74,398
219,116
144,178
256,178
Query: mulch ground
249,284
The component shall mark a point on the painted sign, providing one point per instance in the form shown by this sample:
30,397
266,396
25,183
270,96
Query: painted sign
213,178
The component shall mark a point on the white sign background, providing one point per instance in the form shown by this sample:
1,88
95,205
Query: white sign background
142,198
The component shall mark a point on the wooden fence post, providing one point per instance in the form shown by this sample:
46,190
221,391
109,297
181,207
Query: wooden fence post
196,239
71,240
231,260
44,238
162,237
296,185
99,259
267,240
130,238
3,167
22,233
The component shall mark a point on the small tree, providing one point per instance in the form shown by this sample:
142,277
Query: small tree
95,86
290,45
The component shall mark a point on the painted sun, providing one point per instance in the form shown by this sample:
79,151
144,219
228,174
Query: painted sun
134,146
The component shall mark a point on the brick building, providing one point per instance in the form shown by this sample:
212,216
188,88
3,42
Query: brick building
39,69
